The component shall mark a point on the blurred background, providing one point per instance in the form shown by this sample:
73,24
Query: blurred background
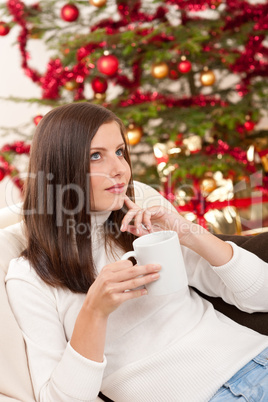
188,78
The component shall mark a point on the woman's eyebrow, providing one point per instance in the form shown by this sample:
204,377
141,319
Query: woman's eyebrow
105,149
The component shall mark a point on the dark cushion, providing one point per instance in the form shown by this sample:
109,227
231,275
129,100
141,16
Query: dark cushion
258,245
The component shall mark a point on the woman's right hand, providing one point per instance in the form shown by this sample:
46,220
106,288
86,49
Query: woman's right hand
116,283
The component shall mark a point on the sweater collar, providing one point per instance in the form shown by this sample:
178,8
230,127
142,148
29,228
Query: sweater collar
99,217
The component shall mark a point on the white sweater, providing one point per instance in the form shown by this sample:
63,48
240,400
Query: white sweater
174,348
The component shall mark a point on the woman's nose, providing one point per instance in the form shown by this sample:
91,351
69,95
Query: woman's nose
117,167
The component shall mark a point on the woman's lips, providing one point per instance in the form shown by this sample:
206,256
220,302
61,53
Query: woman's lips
117,189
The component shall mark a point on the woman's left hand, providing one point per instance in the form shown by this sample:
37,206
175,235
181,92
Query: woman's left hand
152,219
191,235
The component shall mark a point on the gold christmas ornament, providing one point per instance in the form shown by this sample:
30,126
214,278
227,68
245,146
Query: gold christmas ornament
159,70
207,77
98,3
71,85
100,97
134,134
264,160
207,185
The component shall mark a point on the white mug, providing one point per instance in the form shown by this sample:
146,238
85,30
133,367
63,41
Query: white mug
161,248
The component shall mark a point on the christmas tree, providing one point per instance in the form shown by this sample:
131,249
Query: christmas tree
188,78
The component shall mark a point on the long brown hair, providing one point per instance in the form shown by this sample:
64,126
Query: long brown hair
59,165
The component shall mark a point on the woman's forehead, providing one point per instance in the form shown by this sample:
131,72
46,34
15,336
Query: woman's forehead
107,134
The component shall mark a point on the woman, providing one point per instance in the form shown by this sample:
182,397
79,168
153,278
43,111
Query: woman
83,331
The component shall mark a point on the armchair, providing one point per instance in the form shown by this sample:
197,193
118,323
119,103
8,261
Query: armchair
15,382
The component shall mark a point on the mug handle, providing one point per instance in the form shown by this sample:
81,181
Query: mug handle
126,256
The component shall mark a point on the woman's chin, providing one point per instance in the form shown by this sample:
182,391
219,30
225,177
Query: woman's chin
114,205
118,204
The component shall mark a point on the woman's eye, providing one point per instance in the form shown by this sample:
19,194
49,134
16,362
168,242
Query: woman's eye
95,156
120,152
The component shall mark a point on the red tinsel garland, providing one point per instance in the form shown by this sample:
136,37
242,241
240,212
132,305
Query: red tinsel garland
240,12
194,5
132,10
19,147
6,168
128,12
56,76
222,148
142,97
16,9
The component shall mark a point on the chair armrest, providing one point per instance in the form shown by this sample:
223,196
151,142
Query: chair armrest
10,215
258,245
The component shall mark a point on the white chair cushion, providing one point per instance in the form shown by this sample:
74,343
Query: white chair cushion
15,383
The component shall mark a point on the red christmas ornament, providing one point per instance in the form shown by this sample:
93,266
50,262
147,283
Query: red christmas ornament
99,85
69,12
4,28
184,66
249,125
2,173
37,119
107,65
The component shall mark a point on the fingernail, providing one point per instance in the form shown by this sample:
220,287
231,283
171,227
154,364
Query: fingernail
122,227
157,267
155,276
144,292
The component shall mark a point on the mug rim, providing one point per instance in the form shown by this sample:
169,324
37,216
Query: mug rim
172,232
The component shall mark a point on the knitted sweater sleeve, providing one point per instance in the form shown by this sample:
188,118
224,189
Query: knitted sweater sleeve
243,281
58,372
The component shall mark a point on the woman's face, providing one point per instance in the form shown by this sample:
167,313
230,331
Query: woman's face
109,171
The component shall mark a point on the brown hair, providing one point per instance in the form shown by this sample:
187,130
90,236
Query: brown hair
60,159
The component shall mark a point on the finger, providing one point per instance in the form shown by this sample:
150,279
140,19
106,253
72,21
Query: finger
133,208
121,265
140,232
147,220
128,218
130,204
136,271
138,220
142,222
137,282
133,294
